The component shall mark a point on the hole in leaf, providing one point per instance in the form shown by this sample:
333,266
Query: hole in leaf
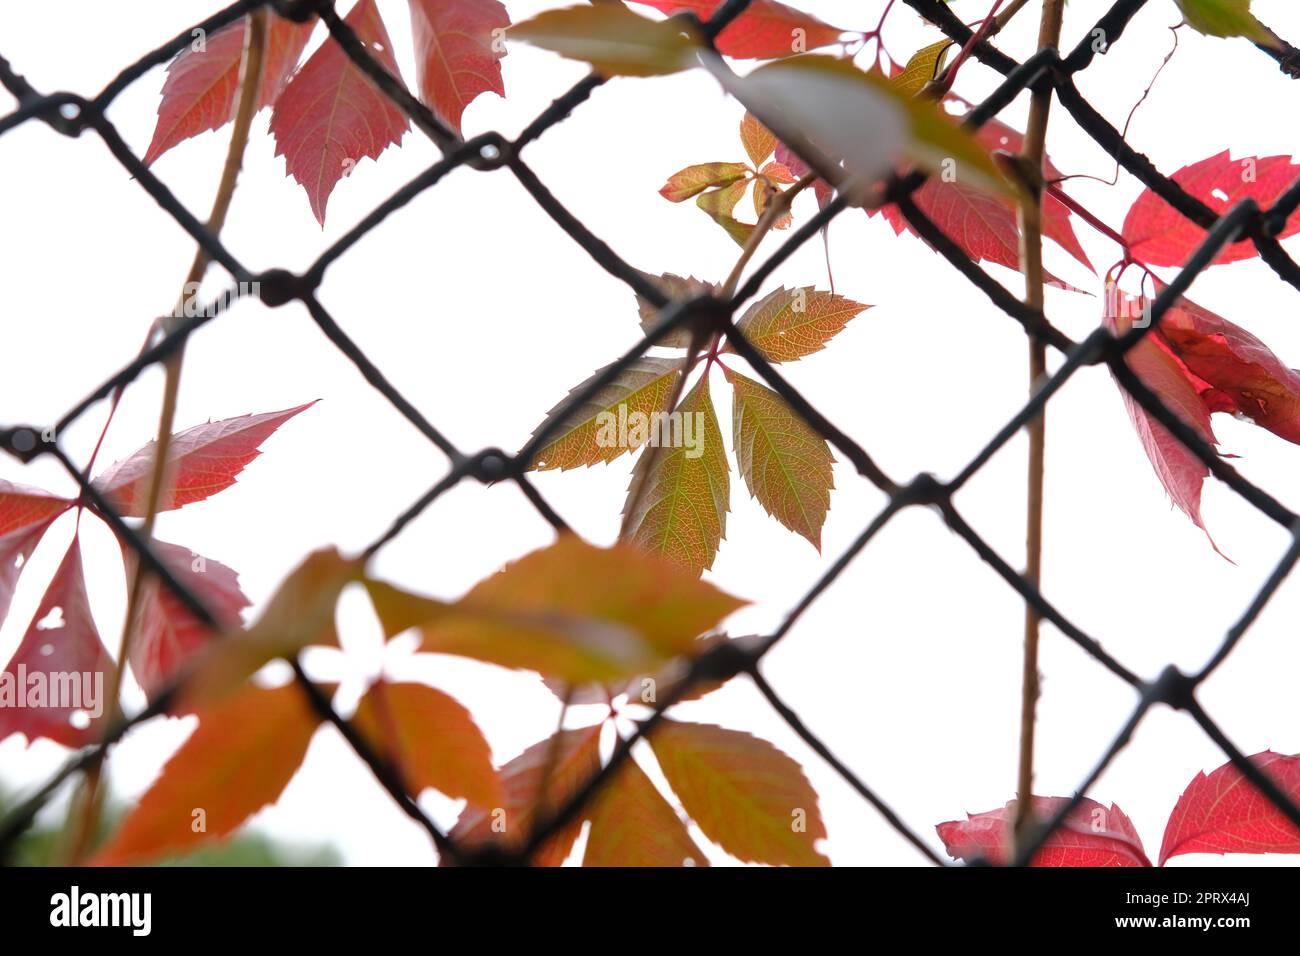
1220,195
79,719
52,621
20,560
47,650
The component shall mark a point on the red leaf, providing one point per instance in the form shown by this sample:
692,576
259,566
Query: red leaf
25,515
167,635
1091,835
331,116
1224,813
240,759
199,92
1158,235
985,225
633,825
457,53
764,31
203,460
572,757
61,668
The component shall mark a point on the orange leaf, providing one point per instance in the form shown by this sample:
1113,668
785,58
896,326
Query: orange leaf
633,825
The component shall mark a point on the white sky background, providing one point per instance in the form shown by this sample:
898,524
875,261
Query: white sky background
484,313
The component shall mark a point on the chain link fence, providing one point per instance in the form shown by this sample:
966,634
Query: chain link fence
73,115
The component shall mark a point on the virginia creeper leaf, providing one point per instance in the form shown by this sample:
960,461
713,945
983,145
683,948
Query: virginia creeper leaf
301,612
458,51
757,139
1091,835
239,760
432,740
764,31
787,324
202,83
572,757
633,825
692,180
202,461
786,465
25,515
56,683
747,796
595,431
541,613
675,287
720,204
168,638
1160,236
681,514
1224,813
1225,18
331,116
613,39
923,67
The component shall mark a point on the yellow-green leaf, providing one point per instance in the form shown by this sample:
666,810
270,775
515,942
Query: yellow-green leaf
633,825
747,796
681,514
243,754
786,465
430,738
608,424
613,39
757,139
1226,18
923,67
693,180
720,204
787,324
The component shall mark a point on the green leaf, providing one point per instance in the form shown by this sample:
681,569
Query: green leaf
613,39
786,465
675,287
1226,18
720,204
693,180
787,324
747,796
681,515
594,431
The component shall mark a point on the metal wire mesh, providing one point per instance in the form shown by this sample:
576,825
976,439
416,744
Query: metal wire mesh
72,115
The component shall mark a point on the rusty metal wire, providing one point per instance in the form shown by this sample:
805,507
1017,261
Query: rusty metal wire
72,115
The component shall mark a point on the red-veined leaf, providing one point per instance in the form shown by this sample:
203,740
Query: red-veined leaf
757,139
458,49
25,515
1091,835
693,180
239,760
765,30
331,116
200,90
675,287
431,738
786,465
168,637
633,825
787,324
747,796
1224,813
202,461
56,683
566,761
1158,235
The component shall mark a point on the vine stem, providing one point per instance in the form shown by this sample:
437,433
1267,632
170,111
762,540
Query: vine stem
1031,264
248,95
